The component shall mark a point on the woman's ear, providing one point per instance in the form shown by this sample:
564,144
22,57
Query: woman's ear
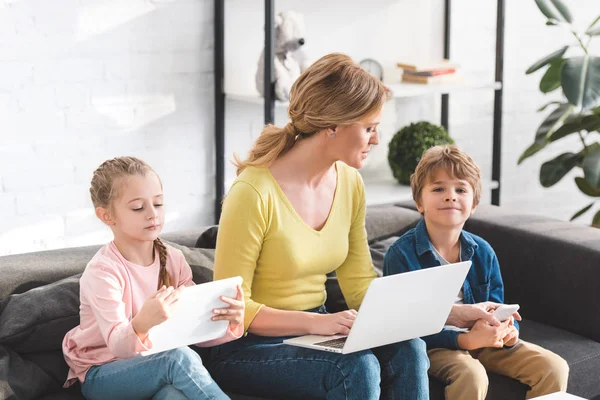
331,131
104,216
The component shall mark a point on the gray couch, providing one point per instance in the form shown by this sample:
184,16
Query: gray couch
551,268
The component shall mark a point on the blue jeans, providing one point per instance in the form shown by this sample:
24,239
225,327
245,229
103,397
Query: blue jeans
173,374
264,366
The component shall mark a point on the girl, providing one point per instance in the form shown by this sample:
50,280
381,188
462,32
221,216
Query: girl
129,286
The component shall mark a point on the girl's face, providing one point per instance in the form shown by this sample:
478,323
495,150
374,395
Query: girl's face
137,213
353,142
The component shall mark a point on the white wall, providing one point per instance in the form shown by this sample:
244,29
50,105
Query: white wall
86,80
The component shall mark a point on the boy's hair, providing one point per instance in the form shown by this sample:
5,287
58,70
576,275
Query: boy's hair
449,158
105,186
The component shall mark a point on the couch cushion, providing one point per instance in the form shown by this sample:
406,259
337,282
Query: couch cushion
388,220
22,272
22,379
582,355
37,320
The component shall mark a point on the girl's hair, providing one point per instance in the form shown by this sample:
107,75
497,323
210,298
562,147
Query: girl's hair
333,91
449,158
105,186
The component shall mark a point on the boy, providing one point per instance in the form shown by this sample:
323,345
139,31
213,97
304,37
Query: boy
446,187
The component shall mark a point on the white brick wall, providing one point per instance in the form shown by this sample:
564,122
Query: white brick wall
85,80
82,81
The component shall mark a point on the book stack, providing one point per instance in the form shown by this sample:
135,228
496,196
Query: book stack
430,72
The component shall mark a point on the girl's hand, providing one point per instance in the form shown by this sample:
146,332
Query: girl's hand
234,313
484,335
333,324
156,309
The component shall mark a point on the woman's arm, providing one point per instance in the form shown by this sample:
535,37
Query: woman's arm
240,237
273,322
357,271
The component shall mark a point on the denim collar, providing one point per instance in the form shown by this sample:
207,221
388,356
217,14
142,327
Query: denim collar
467,243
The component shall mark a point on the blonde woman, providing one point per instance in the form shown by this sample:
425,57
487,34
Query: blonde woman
295,213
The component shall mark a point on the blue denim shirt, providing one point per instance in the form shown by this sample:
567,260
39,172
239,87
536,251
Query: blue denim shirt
413,251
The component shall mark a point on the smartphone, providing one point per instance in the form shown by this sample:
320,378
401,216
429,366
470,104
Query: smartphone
505,311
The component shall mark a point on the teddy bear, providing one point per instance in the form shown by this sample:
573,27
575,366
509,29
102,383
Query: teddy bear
289,59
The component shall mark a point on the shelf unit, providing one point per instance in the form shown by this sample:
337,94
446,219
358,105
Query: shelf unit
378,192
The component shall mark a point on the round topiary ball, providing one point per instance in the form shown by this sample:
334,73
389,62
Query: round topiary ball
409,143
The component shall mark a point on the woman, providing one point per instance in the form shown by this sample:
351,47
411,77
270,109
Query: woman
295,213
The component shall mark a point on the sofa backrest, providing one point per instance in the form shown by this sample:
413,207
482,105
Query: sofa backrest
21,272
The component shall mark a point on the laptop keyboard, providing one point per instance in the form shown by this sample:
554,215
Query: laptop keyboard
334,343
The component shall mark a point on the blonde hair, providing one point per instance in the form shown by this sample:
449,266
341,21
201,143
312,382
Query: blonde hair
333,91
105,186
449,158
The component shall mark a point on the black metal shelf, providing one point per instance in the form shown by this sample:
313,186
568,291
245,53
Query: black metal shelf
269,98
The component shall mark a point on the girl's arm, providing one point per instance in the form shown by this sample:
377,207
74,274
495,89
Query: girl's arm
102,287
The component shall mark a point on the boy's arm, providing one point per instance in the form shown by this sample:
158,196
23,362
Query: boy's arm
395,262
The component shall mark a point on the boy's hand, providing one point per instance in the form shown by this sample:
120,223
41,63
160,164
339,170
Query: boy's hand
484,335
512,337
234,313
333,324
156,309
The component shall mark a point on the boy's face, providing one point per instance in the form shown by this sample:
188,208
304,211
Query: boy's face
446,201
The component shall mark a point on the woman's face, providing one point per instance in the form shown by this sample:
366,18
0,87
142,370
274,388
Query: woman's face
352,143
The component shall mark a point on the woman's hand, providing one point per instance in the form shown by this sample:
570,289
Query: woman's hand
466,315
485,335
333,324
234,313
156,309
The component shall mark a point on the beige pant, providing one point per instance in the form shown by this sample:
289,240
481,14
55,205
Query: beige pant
465,374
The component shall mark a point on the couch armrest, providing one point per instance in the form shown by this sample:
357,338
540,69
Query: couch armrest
550,267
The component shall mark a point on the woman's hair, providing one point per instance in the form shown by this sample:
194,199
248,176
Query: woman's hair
105,186
454,162
333,91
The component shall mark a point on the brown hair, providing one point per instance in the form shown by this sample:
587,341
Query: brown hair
333,91
105,188
449,158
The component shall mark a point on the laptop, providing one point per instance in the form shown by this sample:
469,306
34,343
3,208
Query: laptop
190,321
397,308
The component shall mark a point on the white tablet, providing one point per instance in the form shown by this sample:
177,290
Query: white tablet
191,320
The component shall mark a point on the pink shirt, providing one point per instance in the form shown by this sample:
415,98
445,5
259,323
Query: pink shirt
112,291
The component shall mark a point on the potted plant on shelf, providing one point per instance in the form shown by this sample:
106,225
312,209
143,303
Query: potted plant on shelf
578,75
409,143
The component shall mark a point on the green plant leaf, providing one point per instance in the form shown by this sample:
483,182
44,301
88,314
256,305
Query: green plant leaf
531,150
551,79
596,220
581,212
542,108
587,123
586,188
591,167
563,10
546,60
593,23
554,170
593,32
580,78
554,9
553,122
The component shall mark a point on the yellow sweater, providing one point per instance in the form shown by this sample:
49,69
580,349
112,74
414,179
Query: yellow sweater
282,260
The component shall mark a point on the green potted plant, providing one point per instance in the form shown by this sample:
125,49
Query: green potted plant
578,75
409,143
